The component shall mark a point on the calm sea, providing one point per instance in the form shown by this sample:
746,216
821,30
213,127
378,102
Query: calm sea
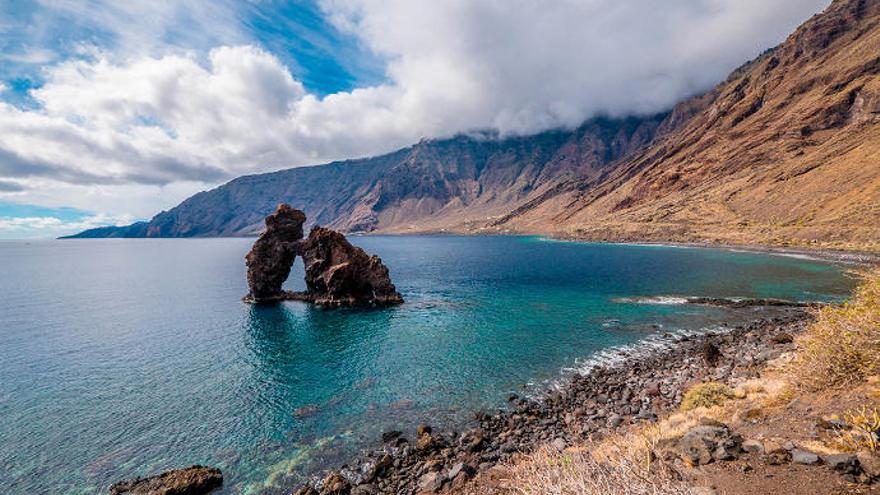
126,357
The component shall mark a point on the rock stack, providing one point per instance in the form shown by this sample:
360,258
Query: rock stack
270,259
336,272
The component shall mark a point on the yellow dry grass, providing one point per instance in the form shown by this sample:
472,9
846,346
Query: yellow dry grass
707,394
842,347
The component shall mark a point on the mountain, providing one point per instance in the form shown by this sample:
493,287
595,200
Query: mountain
433,185
785,151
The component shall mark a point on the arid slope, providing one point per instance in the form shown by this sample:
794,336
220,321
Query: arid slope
786,151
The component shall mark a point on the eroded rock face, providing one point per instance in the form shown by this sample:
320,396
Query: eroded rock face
271,257
340,274
194,480
336,272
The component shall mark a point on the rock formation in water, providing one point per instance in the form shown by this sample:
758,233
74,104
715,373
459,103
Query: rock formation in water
339,274
336,272
194,480
271,257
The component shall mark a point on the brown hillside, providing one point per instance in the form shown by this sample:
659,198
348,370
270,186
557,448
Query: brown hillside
786,151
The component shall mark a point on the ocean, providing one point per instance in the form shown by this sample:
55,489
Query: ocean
121,358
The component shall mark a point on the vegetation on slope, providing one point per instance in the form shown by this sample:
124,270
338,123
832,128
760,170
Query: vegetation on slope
843,346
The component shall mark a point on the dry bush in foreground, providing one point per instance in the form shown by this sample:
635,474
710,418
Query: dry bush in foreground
842,346
549,472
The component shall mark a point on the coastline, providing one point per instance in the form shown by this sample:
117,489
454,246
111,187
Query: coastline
619,387
856,258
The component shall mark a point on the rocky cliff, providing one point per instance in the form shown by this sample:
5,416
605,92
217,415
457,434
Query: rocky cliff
448,183
785,151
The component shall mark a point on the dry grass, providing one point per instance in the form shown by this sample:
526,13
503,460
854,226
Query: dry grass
707,394
842,347
549,472
864,432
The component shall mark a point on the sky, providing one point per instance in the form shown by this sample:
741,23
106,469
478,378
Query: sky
112,111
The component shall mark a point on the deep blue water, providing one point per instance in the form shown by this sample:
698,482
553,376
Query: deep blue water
125,357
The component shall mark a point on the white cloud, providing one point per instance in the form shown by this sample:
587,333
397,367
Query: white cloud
151,119
49,226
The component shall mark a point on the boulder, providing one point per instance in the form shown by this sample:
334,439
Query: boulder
364,490
335,484
339,274
559,444
775,454
473,440
843,463
753,447
710,353
782,338
272,255
431,482
870,464
800,456
194,480
706,443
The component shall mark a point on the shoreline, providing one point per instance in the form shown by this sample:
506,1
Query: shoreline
850,257
857,258
624,385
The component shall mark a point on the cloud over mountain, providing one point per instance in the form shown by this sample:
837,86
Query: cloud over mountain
105,118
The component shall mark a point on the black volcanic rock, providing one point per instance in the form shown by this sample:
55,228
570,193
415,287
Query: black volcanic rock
336,272
340,274
271,257
194,480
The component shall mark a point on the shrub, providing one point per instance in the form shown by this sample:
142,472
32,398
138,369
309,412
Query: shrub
864,431
842,346
707,394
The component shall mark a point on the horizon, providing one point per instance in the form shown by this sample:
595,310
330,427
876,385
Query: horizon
157,103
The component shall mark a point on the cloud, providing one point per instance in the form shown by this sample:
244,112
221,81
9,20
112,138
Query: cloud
10,187
149,112
34,227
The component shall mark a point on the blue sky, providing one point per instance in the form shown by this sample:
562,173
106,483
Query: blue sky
36,34
317,53
111,110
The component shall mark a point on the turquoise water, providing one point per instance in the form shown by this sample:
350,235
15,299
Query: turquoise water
125,357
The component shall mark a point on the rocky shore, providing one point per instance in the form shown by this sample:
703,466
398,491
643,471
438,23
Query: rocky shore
642,383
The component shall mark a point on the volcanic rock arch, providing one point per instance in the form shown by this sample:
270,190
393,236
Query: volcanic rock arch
336,272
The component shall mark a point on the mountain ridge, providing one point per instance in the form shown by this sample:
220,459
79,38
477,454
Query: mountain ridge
475,175
785,151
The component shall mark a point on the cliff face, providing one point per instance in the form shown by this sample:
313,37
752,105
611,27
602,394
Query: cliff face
786,151
436,184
